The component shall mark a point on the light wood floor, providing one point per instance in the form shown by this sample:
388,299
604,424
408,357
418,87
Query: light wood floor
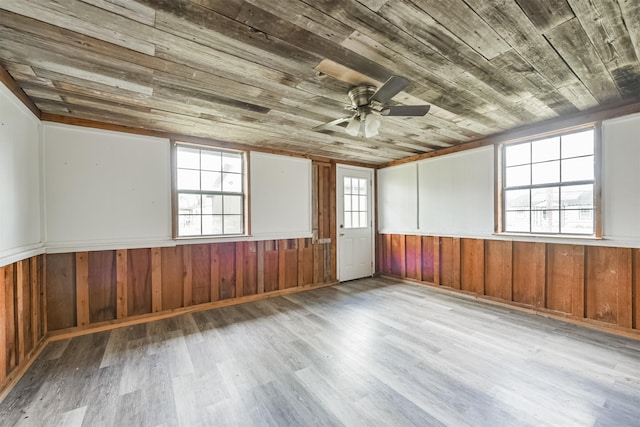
369,352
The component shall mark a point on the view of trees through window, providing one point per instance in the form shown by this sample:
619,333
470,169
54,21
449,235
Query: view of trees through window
210,195
549,185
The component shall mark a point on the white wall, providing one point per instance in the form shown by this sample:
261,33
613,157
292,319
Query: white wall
446,196
280,196
105,189
456,194
398,199
621,179
20,188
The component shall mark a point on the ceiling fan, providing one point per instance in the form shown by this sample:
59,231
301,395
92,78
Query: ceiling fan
368,103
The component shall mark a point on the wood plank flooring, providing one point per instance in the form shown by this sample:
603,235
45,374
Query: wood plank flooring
364,353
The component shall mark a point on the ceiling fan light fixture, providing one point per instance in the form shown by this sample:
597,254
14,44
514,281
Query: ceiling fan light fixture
371,126
353,128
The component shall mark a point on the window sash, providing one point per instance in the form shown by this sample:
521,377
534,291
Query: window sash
580,211
217,221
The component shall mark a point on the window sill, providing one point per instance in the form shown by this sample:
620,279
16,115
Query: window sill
241,238
548,236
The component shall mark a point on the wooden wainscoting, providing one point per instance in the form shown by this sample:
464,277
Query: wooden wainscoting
595,284
22,316
89,289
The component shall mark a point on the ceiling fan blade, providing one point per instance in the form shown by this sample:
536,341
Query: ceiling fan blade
406,110
332,123
389,89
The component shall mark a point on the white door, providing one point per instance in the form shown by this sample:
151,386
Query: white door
354,191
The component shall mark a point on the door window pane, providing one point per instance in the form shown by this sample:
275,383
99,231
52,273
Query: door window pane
355,202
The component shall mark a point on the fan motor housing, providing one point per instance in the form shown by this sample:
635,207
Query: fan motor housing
360,95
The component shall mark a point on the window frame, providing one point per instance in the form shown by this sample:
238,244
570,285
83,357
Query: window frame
175,144
499,181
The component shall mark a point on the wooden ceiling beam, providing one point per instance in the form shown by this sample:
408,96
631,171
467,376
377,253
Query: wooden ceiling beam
11,84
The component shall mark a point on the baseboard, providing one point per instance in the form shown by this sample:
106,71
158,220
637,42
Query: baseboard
18,373
150,317
543,312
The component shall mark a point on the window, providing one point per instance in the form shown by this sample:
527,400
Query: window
209,192
355,202
549,185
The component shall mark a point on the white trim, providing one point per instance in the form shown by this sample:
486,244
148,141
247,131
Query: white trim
608,241
252,238
105,245
372,207
18,254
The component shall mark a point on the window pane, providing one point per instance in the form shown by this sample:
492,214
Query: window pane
211,160
517,221
188,179
189,204
578,169
347,185
363,203
232,162
363,219
211,181
518,154
189,225
188,158
206,180
516,200
355,220
232,182
578,221
578,144
233,205
354,203
518,175
577,197
545,198
545,149
545,221
347,220
545,173
211,204
233,224
362,186
212,224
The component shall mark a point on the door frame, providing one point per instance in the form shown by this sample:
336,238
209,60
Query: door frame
339,218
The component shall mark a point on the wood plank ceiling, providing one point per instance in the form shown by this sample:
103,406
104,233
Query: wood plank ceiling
265,72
